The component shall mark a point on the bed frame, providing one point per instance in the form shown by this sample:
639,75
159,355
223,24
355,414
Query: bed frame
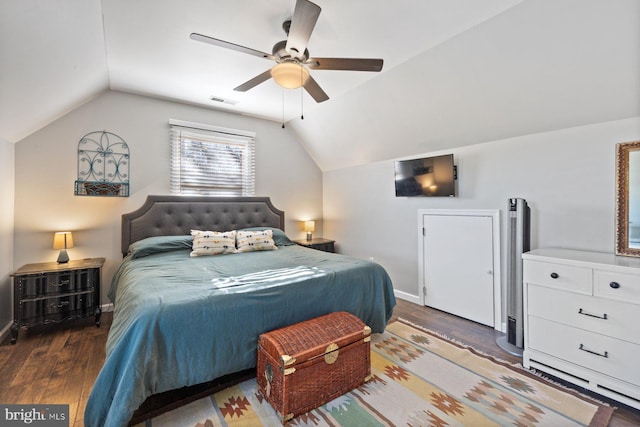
162,215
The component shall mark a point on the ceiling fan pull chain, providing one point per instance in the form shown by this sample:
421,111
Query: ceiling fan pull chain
283,108
301,94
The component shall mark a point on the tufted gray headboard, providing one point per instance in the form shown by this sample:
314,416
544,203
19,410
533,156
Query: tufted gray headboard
178,215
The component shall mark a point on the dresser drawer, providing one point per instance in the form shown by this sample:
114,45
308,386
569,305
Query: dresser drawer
609,356
603,316
568,277
619,286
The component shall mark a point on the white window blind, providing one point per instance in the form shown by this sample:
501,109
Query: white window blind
211,161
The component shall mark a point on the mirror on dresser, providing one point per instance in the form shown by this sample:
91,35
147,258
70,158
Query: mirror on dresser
628,198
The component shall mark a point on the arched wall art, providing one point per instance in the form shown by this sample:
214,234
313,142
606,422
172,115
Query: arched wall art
103,165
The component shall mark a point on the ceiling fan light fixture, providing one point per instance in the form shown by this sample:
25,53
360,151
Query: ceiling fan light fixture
289,75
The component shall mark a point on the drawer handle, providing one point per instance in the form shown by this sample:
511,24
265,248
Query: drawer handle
554,275
614,285
62,304
604,316
62,283
583,348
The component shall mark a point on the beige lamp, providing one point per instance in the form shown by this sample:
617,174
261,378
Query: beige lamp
309,227
63,240
289,75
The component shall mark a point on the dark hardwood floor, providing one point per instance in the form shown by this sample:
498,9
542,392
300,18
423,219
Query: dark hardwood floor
54,364
59,363
483,338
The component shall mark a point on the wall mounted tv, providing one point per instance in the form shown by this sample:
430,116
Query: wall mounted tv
429,176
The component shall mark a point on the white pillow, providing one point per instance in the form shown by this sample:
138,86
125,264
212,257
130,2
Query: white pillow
213,242
256,240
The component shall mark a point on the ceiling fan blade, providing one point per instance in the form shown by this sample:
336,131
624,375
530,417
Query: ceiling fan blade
350,64
316,92
232,46
305,16
260,78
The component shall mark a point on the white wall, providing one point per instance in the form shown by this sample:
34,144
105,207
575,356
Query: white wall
7,178
46,168
567,177
539,66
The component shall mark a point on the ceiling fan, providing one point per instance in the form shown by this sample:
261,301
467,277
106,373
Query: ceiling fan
292,56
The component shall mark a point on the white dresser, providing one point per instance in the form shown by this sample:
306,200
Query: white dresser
582,320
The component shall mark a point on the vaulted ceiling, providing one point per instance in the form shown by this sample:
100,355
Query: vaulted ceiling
456,72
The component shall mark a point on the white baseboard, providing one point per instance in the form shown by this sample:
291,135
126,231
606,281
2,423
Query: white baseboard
107,307
407,297
502,327
5,331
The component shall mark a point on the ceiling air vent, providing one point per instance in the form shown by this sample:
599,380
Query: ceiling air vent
223,100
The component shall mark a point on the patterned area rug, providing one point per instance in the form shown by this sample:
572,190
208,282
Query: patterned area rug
419,379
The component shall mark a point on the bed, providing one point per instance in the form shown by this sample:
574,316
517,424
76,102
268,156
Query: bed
181,320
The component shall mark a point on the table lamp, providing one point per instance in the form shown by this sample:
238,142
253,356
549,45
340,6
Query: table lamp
309,227
63,240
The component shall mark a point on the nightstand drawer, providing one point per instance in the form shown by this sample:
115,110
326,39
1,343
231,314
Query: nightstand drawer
320,244
39,285
326,247
34,285
567,277
55,309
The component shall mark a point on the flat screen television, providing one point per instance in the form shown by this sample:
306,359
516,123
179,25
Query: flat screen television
429,176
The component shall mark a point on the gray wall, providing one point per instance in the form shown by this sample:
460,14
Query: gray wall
567,177
46,168
539,66
7,156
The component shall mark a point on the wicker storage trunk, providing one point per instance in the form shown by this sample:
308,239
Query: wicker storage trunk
306,365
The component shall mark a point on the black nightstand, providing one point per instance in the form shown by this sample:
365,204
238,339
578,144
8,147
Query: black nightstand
319,244
49,292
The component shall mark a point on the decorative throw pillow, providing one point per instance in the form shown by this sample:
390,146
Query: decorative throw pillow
213,242
259,240
279,238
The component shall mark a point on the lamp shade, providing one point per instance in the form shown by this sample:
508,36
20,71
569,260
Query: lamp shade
309,226
63,240
289,75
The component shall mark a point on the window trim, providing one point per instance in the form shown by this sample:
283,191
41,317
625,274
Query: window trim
210,128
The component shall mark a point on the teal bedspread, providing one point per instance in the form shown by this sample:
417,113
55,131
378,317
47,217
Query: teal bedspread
180,321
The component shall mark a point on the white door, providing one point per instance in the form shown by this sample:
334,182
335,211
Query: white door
458,262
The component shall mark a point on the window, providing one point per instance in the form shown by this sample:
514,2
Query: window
209,160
